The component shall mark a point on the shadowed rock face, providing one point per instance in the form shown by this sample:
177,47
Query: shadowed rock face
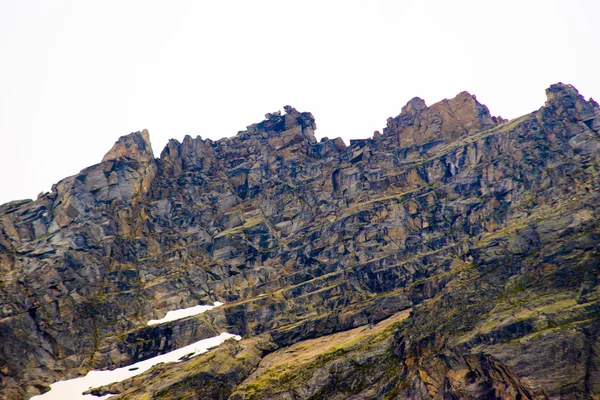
485,229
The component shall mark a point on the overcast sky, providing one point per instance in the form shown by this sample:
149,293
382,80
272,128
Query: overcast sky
76,75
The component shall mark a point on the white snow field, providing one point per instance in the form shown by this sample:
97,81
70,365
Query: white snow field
73,389
184,312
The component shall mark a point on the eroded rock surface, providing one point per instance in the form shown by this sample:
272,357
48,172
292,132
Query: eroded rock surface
485,229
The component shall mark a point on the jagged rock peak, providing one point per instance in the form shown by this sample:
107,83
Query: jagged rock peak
564,100
558,90
445,120
414,105
135,146
276,123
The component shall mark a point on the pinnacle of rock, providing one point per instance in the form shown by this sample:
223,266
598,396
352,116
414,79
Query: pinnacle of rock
282,129
414,105
559,90
446,120
135,146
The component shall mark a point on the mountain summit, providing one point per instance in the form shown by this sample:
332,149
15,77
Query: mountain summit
455,255
135,146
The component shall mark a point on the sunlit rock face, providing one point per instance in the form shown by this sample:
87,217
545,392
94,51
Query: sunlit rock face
135,146
453,255
447,120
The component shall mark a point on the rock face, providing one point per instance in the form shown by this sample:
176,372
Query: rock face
453,256
135,146
447,120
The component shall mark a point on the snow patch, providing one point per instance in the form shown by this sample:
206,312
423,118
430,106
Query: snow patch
184,312
72,389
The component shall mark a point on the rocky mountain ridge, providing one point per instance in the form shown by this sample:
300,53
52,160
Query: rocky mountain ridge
454,255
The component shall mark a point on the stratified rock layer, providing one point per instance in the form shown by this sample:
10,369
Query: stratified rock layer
453,256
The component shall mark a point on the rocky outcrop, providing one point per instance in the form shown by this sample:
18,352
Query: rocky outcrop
485,229
135,146
447,120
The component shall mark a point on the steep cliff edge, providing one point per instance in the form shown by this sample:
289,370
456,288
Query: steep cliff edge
485,229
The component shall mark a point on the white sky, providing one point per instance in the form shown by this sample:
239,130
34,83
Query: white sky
76,75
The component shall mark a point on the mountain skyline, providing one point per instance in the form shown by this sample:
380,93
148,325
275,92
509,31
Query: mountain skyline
78,74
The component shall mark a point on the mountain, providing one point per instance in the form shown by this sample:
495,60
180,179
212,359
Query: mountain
455,255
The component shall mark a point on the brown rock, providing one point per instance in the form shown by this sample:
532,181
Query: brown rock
448,120
486,229
135,146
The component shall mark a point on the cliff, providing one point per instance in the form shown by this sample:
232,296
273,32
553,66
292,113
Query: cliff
454,255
